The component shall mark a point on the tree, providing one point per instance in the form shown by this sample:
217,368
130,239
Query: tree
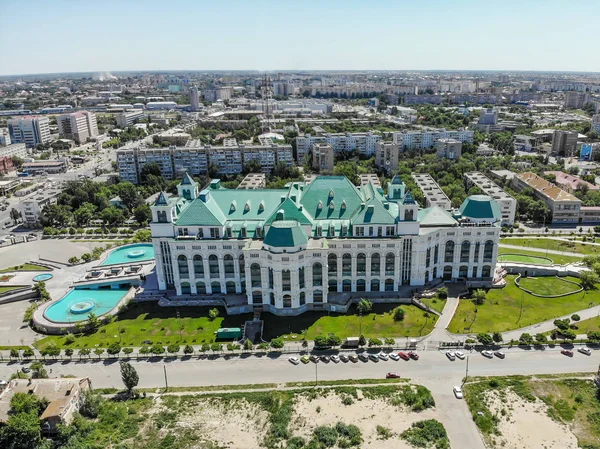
248,346
55,215
205,347
73,260
364,306
277,343
98,352
38,371
213,313
129,376
562,324
86,257
568,334
21,431
26,403
28,353
485,339
114,348
497,337
442,292
85,351
594,336
216,347
479,297
84,214
375,342
390,341
93,321
398,314
151,168
188,349
14,215
526,339
90,404
252,166
142,214
334,340
362,340
69,352
158,349
541,339
173,348
130,197
127,351
112,216
14,353
588,279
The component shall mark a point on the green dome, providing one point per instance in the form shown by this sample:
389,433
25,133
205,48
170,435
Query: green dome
285,233
480,207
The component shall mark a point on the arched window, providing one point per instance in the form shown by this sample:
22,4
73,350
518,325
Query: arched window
272,299
286,281
488,250
230,287
389,264
361,264
332,264
215,287
465,250
257,297
361,285
435,253
317,272
346,285
182,264
301,277
287,301
346,265
427,276
375,285
428,258
270,277
162,216
486,271
302,298
213,266
186,289
409,215
228,266
434,273
375,264
318,296
447,272
198,266
201,288
242,266
449,251
463,271
255,278
332,286
389,285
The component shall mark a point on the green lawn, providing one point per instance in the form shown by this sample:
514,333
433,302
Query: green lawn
502,309
522,258
25,267
548,286
10,288
552,244
435,303
584,326
556,258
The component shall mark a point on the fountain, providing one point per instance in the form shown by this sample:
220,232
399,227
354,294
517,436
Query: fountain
81,307
42,277
136,253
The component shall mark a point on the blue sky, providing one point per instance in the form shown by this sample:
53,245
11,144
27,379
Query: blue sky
111,35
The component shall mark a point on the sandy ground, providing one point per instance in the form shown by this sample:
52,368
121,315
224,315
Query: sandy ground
365,413
527,425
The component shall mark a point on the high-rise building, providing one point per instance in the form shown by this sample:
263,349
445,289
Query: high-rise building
4,138
564,143
488,117
79,126
30,130
575,100
596,123
194,98
421,140
386,156
322,157
448,148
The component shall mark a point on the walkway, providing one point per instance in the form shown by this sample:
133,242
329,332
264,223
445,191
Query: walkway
541,250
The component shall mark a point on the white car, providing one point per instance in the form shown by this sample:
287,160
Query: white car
335,358
294,360
460,355
383,356
394,356
488,354
586,351
500,354
458,392
451,355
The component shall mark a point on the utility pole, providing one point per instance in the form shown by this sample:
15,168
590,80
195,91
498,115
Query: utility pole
166,382
316,373
466,371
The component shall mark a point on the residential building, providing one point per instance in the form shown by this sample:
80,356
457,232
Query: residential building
322,157
14,149
63,395
161,105
78,126
595,123
6,164
448,148
4,138
488,117
386,156
570,183
8,185
315,247
433,193
575,100
218,93
174,137
564,206
194,99
283,88
506,203
526,143
363,143
564,143
253,181
30,130
484,150
125,119
40,167
196,158
32,206
421,140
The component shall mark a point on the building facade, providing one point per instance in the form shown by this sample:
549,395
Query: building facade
596,123
322,157
14,149
506,203
422,140
30,130
564,143
386,156
316,246
194,99
125,119
448,148
433,193
78,126
364,143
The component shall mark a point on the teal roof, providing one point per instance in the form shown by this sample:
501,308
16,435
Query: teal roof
374,212
285,233
291,211
317,200
408,198
161,200
187,180
435,216
199,213
480,207
397,180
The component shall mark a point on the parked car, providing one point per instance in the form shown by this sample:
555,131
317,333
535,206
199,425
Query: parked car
335,358
325,358
294,360
403,356
460,355
451,355
413,355
314,358
392,376
586,351
383,356
363,357
567,352
305,359
374,357
487,354
458,392
394,356
500,354
353,358
344,358
25,369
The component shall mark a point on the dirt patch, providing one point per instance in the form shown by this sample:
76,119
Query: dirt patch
367,414
525,424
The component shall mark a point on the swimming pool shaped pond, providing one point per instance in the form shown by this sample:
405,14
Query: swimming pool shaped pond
140,252
42,277
78,303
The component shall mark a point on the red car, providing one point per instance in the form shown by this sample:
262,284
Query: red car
392,376
403,356
567,352
413,355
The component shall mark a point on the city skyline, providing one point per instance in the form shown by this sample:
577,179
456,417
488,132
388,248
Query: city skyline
312,36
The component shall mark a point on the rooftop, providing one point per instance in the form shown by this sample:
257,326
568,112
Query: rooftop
545,188
572,181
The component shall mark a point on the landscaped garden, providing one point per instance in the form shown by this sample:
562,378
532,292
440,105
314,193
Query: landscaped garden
556,258
25,267
553,245
511,308
585,326
523,258
10,288
549,285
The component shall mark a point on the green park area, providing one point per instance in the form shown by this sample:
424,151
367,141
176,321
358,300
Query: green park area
552,245
148,322
25,267
511,308
549,286
556,258
585,326
9,288
523,258
435,303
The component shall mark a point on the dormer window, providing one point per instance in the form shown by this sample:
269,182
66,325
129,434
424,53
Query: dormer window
319,231
228,232
247,206
233,206
258,232
331,231
243,232
331,193
331,205
320,205
343,206
344,230
261,206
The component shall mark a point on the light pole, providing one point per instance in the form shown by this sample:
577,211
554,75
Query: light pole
466,371
316,373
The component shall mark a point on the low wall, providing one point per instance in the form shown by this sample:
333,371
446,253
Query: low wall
518,278
21,295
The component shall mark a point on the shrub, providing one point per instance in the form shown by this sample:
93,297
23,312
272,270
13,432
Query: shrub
383,433
398,314
575,317
375,342
114,348
485,339
188,349
442,292
69,339
277,343
158,349
325,435
173,348
426,433
562,324
213,313
525,339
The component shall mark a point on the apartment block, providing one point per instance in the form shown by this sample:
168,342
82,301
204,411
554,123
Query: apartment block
596,123
564,143
14,149
526,143
322,157
564,206
386,156
125,119
571,183
30,130
422,140
506,203
433,193
364,143
78,126
32,206
575,100
448,148
4,138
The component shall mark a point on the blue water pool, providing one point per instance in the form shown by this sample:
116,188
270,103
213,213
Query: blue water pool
131,253
42,277
78,303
